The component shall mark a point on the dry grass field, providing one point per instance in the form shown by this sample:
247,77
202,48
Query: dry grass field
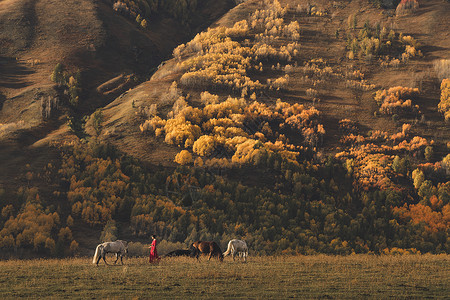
359,276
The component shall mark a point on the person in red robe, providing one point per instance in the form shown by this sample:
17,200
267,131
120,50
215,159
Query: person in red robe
153,252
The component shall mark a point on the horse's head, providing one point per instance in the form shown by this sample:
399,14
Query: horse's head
193,246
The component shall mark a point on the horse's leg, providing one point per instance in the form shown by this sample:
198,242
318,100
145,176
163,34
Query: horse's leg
98,259
121,259
117,257
210,255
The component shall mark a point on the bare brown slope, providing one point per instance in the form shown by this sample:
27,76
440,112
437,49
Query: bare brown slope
429,25
88,35
84,34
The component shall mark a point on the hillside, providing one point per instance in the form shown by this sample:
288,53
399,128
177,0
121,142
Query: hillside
89,38
84,35
301,127
336,103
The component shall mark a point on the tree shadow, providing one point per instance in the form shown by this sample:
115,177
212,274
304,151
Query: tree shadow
12,73
427,50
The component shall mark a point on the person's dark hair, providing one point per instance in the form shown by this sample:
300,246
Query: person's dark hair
153,237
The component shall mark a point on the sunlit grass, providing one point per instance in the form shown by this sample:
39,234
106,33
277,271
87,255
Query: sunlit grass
261,277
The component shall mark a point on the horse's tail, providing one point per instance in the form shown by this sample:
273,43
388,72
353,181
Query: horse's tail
228,250
97,253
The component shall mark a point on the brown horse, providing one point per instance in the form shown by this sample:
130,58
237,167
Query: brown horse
211,248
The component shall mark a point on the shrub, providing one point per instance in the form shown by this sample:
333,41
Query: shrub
137,249
429,153
73,248
58,74
97,120
10,127
183,158
312,93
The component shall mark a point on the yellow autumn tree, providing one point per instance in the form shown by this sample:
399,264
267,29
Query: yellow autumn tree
444,104
204,146
184,157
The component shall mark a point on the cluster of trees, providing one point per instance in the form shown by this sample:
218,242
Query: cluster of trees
219,59
394,100
307,205
303,207
378,166
374,162
311,9
376,41
49,105
444,104
96,193
433,209
242,132
143,10
71,82
26,225
318,71
317,68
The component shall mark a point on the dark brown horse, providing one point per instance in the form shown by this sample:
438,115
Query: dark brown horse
211,248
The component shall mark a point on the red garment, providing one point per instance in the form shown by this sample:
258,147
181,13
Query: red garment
153,253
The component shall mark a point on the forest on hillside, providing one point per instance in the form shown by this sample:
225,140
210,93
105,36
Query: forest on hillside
251,164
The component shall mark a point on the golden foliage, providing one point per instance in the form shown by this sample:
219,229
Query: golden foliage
435,220
204,146
214,59
183,157
30,228
224,127
444,104
393,100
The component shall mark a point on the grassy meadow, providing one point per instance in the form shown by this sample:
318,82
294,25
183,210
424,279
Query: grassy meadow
367,276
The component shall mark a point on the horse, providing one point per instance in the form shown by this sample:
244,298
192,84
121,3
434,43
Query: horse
119,247
237,247
181,252
211,248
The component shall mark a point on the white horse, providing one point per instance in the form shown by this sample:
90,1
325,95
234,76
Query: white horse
237,247
119,247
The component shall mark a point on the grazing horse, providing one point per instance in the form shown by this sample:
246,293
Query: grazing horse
211,248
119,247
236,247
181,252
